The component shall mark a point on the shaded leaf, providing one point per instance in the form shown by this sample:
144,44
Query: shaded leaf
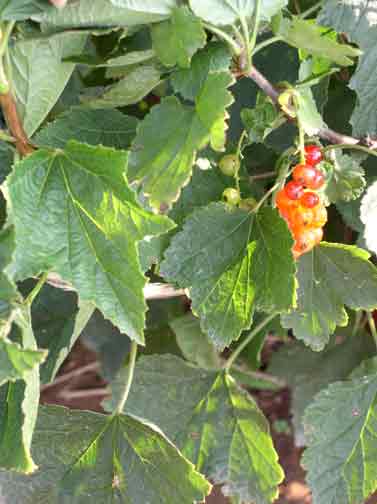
177,40
75,214
206,405
22,9
230,262
110,128
36,65
368,215
341,430
330,276
347,179
85,456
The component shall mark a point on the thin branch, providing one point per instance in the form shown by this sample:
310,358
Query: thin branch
327,134
75,373
14,123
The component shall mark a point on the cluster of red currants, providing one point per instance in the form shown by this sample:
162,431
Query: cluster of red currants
301,206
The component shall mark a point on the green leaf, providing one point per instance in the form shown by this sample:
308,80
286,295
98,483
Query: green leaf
232,262
206,405
8,291
57,323
358,22
341,432
19,402
16,362
39,75
137,83
312,38
227,12
6,160
193,343
260,121
313,371
307,112
103,13
368,215
75,214
347,179
330,276
18,10
165,164
177,40
91,457
110,128
214,58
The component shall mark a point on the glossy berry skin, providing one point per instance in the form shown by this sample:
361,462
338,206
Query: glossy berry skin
309,199
300,218
229,164
304,174
313,154
231,196
285,204
319,216
294,190
318,181
305,241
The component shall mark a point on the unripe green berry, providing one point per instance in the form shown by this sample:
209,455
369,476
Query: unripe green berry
248,204
229,164
231,196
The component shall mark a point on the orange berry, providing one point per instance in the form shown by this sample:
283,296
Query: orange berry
301,217
319,216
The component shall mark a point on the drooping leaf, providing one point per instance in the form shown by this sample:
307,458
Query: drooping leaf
86,456
75,214
307,112
16,362
57,323
110,128
105,13
358,21
368,215
177,40
232,262
215,424
260,121
347,179
136,84
8,291
307,372
39,75
193,343
227,12
341,431
306,35
165,164
330,277
19,400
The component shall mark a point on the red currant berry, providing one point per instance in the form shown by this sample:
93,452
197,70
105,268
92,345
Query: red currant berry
318,181
294,190
304,174
319,216
301,218
309,199
304,242
313,154
318,235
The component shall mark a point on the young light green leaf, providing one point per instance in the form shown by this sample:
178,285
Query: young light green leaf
313,371
177,40
100,13
228,12
16,362
19,402
260,121
232,262
75,214
310,37
39,75
368,215
110,128
178,131
330,276
86,456
347,179
207,404
358,21
307,112
194,344
341,431
57,323
136,84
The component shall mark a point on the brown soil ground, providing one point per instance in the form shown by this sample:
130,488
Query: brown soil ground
86,391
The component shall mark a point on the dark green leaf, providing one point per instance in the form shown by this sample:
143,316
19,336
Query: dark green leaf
83,222
177,40
110,128
87,457
330,276
260,121
232,262
206,406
